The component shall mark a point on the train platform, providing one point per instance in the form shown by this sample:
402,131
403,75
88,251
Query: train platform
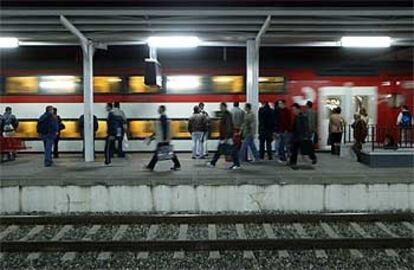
73,185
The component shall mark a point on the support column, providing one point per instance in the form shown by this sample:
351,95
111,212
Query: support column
88,51
252,74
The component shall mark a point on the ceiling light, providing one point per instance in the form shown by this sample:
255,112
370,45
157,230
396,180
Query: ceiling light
366,42
173,41
9,42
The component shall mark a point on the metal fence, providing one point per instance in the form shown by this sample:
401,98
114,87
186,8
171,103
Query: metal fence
384,137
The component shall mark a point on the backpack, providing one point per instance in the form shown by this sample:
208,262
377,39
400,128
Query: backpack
43,125
405,119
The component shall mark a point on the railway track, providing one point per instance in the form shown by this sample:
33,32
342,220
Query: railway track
73,235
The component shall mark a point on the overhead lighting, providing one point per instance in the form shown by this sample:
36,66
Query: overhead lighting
173,41
366,42
9,42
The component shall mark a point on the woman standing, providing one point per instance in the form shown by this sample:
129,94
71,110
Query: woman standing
336,128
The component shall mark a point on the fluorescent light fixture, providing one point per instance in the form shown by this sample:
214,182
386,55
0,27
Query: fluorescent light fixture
173,41
183,82
9,42
366,42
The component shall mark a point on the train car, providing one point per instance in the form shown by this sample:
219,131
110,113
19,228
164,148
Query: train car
29,88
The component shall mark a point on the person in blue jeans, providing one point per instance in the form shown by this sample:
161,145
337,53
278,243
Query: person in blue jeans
248,129
48,128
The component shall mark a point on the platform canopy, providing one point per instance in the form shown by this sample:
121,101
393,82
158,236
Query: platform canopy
216,23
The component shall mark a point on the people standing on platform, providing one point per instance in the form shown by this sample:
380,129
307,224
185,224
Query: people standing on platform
266,129
312,117
226,146
163,136
81,123
275,127
57,138
336,128
284,124
9,126
111,132
48,128
248,130
300,139
360,134
121,129
197,126
405,122
206,134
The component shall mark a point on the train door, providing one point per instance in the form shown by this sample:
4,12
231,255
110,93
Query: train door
351,100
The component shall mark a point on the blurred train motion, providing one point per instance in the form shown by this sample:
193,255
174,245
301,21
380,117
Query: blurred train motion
29,91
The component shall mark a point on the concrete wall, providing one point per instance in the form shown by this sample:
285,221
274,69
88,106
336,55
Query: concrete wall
63,199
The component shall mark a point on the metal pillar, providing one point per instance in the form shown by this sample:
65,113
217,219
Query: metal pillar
88,132
153,53
252,74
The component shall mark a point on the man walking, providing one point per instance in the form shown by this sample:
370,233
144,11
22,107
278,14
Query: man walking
162,135
266,128
248,129
226,142
48,127
283,129
205,135
122,127
300,137
310,113
111,132
197,126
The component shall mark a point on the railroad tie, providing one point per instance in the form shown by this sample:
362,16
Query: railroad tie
58,236
271,235
247,254
302,233
331,233
7,231
152,233
383,227
118,235
363,233
37,229
69,256
182,235
212,235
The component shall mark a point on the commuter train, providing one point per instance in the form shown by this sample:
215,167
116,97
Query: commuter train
29,91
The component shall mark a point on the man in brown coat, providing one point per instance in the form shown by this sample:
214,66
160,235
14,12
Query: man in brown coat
360,134
226,143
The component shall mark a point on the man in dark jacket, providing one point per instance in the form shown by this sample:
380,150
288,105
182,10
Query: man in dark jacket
226,142
266,129
197,126
300,137
360,134
81,123
111,132
48,127
283,129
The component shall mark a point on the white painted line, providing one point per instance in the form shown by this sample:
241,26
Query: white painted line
32,233
152,233
319,253
247,254
329,231
271,235
212,235
182,235
69,256
118,235
59,235
7,231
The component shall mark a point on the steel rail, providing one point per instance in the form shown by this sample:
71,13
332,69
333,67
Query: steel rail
206,245
204,218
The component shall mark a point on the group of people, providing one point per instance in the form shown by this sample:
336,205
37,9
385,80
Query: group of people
237,130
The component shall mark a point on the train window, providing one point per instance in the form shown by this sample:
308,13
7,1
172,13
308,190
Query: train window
21,85
59,84
227,84
394,100
136,85
141,128
107,84
271,85
27,130
185,84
